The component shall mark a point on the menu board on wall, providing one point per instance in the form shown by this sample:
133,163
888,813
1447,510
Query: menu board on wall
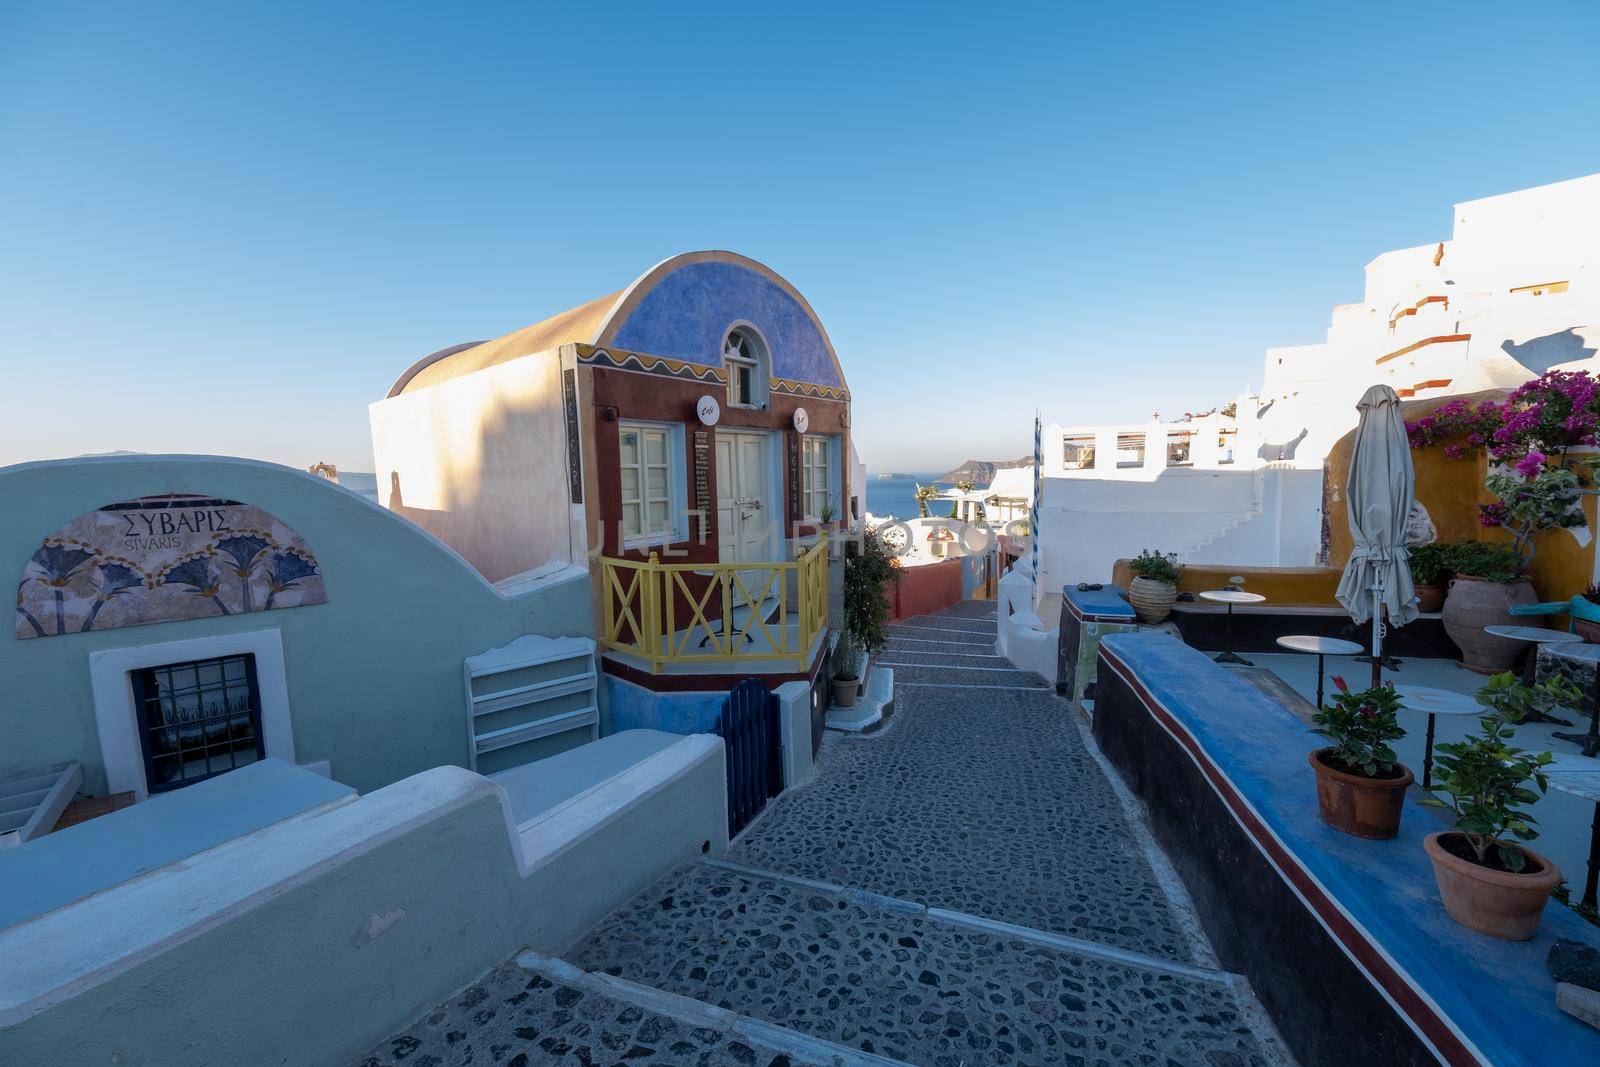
160,559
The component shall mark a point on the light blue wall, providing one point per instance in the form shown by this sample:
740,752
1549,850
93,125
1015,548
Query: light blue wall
374,675
687,314
634,707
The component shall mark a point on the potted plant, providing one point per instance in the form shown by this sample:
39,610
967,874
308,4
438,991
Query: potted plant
1155,584
1361,787
1490,883
846,670
1585,611
1488,581
1429,574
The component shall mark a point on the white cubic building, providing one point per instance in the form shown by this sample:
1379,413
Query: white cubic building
1514,292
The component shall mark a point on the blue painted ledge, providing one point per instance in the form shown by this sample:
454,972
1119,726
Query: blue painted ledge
1098,605
1497,995
53,871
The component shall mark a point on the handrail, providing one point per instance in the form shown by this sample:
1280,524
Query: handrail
667,613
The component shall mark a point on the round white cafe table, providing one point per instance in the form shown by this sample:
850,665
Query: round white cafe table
1231,597
1535,635
1580,776
1435,702
1321,647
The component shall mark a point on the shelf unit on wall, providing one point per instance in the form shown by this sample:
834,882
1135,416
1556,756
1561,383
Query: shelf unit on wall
533,688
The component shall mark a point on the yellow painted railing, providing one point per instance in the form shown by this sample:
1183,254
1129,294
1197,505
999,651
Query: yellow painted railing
715,612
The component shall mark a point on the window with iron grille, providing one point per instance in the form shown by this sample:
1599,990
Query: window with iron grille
197,719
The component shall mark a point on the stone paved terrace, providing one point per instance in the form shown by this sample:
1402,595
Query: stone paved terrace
964,886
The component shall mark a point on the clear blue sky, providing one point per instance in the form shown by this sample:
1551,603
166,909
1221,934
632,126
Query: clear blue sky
226,228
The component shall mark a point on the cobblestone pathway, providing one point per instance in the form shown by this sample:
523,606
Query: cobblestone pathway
908,986
981,801
962,887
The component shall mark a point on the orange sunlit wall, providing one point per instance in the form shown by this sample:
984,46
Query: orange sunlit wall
1451,490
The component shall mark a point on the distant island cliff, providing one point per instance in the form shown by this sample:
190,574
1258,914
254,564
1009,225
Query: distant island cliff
981,471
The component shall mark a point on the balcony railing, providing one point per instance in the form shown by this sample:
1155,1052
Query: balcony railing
715,613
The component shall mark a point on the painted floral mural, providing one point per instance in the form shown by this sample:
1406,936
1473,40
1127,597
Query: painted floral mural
162,558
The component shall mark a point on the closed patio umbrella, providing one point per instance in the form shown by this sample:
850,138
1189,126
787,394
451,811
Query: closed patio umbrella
1378,496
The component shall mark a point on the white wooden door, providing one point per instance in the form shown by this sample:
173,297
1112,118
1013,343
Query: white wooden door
744,505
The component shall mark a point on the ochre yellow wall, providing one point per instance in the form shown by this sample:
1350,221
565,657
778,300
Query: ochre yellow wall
1451,490
1286,586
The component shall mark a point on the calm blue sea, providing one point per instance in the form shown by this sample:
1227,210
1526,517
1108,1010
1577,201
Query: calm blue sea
897,496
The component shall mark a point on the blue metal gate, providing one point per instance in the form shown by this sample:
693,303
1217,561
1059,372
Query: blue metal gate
748,725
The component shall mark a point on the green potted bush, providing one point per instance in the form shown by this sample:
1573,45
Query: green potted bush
1429,573
846,670
1154,588
1489,882
1361,786
1488,581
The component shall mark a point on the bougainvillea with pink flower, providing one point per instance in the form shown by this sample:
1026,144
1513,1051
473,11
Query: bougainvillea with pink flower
1531,504
1456,425
1547,416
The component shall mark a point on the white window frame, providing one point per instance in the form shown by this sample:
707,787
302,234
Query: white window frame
761,366
117,720
676,510
828,446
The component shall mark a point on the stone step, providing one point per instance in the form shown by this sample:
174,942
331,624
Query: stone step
541,1011
893,656
893,978
960,675
935,625
941,643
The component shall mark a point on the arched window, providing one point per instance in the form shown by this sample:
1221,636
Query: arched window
744,357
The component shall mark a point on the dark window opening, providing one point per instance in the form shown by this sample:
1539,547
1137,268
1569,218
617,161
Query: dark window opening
197,720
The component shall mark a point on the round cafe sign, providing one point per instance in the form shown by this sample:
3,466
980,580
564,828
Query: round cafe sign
708,409
802,421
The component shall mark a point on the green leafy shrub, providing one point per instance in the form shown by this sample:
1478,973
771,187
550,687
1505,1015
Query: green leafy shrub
1481,559
1484,780
1505,694
1361,725
1159,566
1428,564
870,569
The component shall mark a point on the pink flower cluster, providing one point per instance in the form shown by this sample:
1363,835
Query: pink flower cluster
1554,412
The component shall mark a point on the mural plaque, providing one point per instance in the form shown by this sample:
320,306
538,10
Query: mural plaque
160,559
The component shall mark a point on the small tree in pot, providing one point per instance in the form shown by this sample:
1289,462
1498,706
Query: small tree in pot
1490,883
1361,787
1429,573
846,670
1155,584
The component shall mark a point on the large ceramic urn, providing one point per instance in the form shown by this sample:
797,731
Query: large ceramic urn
1474,603
1151,599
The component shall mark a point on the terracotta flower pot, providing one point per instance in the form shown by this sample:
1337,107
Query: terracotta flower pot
1430,598
1365,807
845,692
1497,903
1475,603
1151,600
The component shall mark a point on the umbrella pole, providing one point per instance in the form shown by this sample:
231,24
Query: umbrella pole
1377,629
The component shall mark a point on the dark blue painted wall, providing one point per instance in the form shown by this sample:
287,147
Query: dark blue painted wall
689,311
